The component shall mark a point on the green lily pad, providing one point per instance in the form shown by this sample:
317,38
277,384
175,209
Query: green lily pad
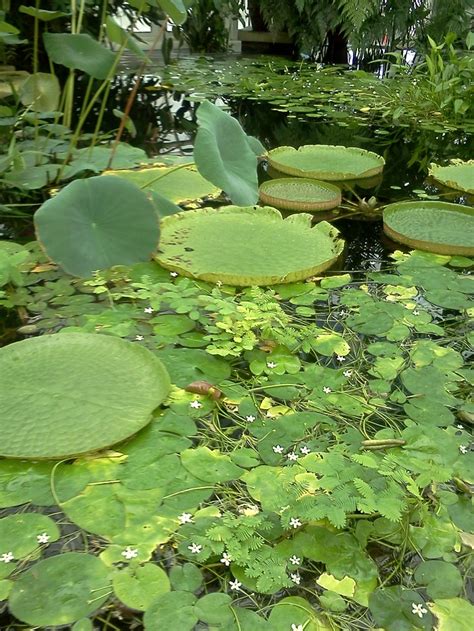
210,465
458,175
442,580
453,614
174,610
19,533
96,223
137,587
296,611
326,162
393,609
186,577
64,395
25,482
60,590
294,193
434,226
246,246
179,184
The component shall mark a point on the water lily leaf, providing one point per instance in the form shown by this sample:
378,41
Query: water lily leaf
246,246
295,610
299,194
96,159
223,155
42,14
19,533
434,226
137,587
210,465
5,588
48,414
80,51
187,577
179,184
24,482
449,299
453,614
345,586
214,609
326,162
85,624
442,580
60,590
392,609
186,365
174,610
459,175
89,225
40,92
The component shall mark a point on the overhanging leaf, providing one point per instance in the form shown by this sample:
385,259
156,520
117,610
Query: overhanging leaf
80,51
175,9
41,92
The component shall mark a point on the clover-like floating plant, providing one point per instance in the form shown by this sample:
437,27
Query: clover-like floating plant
294,193
458,175
246,246
434,226
326,162
69,394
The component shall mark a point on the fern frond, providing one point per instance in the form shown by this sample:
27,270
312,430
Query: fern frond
356,12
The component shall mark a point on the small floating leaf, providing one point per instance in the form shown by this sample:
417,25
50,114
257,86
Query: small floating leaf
295,193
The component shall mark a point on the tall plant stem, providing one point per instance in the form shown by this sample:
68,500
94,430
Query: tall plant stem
133,94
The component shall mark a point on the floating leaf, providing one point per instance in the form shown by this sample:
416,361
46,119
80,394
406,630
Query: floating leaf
442,580
392,609
24,483
246,246
299,194
326,162
18,533
210,465
453,614
137,587
96,223
80,51
186,577
214,609
40,92
60,590
296,611
224,156
434,226
68,394
186,365
459,175
174,610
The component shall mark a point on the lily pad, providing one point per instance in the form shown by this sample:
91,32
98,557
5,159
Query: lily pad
326,162
434,226
179,184
64,395
246,246
60,590
137,587
459,175
300,194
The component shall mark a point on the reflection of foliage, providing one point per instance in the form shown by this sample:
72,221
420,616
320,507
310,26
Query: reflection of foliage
205,29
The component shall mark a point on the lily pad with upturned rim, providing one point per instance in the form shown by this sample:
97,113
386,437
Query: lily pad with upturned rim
326,162
68,394
434,226
246,246
459,175
294,193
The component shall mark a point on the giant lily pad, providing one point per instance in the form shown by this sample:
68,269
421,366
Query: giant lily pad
96,223
246,246
60,590
295,193
179,184
458,175
69,394
433,226
326,162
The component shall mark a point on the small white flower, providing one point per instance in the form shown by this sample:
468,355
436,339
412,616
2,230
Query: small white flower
463,449
219,283
195,548
460,426
271,365
342,313
418,610
130,553
7,557
185,518
226,559
278,449
292,456
139,338
294,560
327,390
341,358
297,627
250,418
347,373
173,274
415,312
148,310
295,523
196,404
296,578
305,450
43,538
235,585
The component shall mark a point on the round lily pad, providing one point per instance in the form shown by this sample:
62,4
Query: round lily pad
434,226
326,162
458,175
246,246
68,394
294,193
60,590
